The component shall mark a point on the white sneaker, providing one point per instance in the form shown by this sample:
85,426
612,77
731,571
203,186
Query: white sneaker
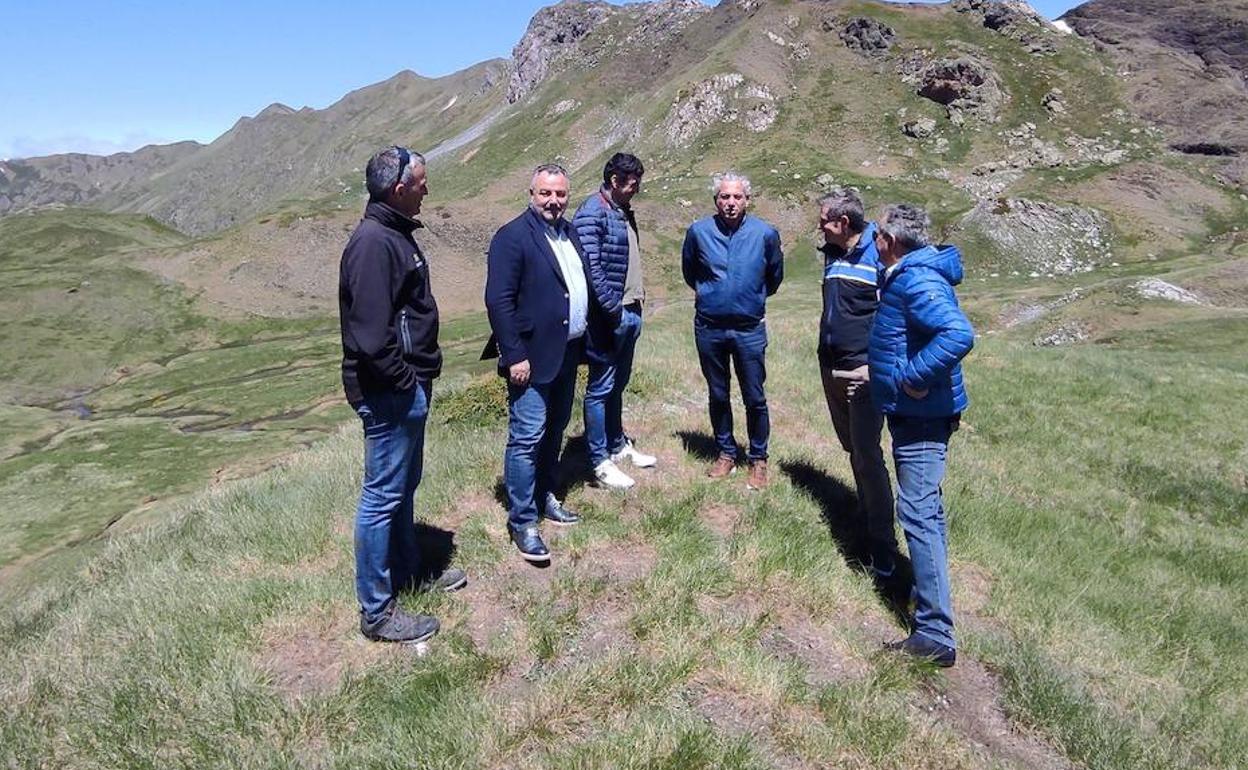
638,459
609,475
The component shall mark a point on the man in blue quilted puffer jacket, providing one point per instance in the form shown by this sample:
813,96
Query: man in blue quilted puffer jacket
917,341
607,230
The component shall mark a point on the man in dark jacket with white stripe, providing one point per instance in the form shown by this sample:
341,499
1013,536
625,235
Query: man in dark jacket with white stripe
390,357
851,268
607,230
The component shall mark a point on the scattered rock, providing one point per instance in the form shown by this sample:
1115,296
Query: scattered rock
1052,102
567,105
867,36
1155,288
773,37
1014,19
919,129
963,84
1066,334
724,98
1045,237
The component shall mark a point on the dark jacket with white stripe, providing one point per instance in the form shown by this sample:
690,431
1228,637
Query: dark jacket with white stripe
850,298
386,308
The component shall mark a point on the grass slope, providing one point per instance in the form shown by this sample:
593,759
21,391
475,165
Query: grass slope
1096,519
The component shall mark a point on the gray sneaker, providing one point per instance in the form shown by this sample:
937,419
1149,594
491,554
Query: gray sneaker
451,579
398,626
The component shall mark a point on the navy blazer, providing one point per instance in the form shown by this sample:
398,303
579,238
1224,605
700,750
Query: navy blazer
526,299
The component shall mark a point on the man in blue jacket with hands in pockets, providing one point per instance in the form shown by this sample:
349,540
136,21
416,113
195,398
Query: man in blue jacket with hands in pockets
918,340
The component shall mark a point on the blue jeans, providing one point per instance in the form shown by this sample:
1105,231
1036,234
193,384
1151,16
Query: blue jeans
386,553
604,394
537,416
747,351
919,449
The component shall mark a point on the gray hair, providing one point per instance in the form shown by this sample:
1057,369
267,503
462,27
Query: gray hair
383,171
718,180
845,202
548,168
908,224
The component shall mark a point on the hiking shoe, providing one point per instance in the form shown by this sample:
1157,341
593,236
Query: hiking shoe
556,514
758,475
398,626
638,459
451,579
723,467
609,475
919,646
530,544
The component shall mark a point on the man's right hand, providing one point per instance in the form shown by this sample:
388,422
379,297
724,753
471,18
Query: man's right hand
518,373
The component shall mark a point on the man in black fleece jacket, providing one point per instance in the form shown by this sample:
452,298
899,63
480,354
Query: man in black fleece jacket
390,357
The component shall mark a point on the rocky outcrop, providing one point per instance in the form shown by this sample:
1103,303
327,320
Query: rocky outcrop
921,128
1183,63
1013,18
552,35
867,36
724,98
1045,237
963,85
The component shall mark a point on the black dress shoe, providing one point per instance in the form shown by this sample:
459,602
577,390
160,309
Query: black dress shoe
919,646
555,513
530,544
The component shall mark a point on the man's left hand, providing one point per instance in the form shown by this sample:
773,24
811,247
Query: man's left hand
914,393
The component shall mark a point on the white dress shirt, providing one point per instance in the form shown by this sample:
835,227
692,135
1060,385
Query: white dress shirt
574,277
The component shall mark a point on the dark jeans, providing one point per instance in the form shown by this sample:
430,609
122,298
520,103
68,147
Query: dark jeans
858,425
746,349
920,446
604,393
537,416
386,553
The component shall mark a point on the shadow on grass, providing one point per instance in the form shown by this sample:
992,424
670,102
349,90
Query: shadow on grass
437,550
573,472
838,505
702,445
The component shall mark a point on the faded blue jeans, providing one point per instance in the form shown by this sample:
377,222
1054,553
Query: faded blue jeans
746,351
920,446
537,417
604,394
386,552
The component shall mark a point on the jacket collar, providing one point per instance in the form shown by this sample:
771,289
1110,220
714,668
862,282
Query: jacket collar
391,217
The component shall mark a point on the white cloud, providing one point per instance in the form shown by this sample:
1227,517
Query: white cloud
30,147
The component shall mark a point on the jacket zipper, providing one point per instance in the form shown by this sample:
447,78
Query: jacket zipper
404,333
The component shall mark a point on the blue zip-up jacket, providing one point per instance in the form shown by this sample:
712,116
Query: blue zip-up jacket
850,296
602,228
920,336
732,273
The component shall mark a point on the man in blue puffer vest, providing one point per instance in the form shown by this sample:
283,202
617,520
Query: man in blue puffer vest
919,337
607,230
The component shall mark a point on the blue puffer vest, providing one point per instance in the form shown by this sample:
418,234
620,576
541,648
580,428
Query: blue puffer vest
603,231
920,335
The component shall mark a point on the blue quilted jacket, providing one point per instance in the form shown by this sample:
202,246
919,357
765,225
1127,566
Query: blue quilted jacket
602,228
920,335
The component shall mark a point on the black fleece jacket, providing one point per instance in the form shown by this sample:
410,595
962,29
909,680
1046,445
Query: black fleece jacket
386,308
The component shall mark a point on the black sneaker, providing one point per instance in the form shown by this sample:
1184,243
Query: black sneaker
397,626
530,544
919,646
556,514
451,579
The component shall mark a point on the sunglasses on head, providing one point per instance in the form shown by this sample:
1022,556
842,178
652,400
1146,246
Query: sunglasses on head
405,158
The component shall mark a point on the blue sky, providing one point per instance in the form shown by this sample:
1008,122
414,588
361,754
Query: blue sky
101,77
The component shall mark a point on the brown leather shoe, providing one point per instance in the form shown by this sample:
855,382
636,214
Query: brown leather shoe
758,475
724,467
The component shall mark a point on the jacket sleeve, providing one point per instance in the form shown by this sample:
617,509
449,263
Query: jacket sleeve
689,259
775,263
504,265
932,309
591,231
374,285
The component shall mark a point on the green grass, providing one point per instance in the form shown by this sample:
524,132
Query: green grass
1096,498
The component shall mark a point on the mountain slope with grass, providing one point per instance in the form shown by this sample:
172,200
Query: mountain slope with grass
690,624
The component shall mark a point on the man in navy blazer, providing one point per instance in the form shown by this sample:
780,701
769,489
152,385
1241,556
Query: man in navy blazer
542,313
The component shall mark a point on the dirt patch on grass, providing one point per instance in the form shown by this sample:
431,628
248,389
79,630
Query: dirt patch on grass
968,698
721,519
825,654
972,588
309,654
